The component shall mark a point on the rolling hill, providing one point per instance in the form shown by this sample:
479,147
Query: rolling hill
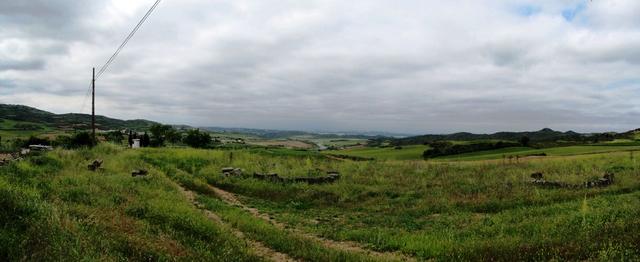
543,135
39,117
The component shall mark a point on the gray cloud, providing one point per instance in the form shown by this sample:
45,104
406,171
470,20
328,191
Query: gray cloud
408,66
21,65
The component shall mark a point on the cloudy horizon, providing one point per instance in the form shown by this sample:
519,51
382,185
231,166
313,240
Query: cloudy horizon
408,66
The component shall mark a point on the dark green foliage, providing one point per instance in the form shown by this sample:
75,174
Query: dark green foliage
146,140
524,141
164,133
115,137
33,141
130,138
545,135
27,127
29,114
443,148
79,140
196,138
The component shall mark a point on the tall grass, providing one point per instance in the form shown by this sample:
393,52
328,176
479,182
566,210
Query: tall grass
461,211
54,209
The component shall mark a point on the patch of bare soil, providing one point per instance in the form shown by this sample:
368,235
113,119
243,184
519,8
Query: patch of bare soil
258,248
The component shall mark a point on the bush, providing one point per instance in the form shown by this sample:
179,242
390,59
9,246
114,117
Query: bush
164,133
82,139
197,139
115,137
444,148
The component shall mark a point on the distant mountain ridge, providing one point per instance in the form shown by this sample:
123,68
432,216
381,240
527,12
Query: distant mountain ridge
543,135
68,121
280,134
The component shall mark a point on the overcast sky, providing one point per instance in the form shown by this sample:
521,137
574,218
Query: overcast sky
415,66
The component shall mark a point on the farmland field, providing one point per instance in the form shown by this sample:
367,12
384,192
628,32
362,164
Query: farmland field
556,151
377,211
387,153
415,152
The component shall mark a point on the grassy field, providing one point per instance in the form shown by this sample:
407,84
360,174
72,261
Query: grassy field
337,142
9,129
414,152
387,153
464,211
556,151
54,209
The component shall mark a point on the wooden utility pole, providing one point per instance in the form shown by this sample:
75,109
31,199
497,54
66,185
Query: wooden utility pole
93,104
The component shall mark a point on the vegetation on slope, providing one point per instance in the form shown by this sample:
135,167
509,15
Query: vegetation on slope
462,211
55,210
67,121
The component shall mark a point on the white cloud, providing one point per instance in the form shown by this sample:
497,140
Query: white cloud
408,66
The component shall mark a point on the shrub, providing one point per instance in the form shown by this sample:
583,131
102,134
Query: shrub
115,137
82,139
197,139
444,148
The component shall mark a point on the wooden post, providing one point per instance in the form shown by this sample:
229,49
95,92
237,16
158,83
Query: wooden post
93,105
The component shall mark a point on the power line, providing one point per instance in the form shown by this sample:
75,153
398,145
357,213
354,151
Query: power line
113,57
120,48
86,96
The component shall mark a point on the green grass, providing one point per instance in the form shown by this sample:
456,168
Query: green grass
443,211
54,209
556,151
8,130
387,153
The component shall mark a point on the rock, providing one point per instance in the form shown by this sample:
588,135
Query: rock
141,172
95,165
606,180
230,171
270,177
537,175
330,178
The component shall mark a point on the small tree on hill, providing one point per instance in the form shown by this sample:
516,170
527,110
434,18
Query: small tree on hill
525,140
197,139
146,140
130,139
160,134
115,137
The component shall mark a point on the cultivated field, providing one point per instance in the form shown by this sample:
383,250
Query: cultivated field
377,211
413,152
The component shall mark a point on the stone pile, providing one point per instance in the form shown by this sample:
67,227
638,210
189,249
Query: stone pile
538,180
140,172
330,178
95,165
605,181
230,171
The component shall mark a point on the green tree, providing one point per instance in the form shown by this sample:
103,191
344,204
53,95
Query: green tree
146,140
159,134
525,140
196,138
115,137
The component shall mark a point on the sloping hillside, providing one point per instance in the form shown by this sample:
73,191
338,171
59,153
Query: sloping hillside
543,135
67,121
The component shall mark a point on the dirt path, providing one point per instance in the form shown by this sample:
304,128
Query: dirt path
231,199
257,247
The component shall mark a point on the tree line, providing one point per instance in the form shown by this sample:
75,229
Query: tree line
157,136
